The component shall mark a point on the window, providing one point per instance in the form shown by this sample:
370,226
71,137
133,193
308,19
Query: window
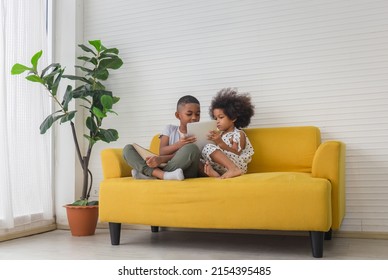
26,193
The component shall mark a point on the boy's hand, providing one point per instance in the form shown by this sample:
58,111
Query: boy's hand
186,140
153,161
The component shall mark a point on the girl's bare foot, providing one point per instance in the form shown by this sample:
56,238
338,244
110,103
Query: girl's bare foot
209,171
234,172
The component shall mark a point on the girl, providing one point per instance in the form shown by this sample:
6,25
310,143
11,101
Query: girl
232,151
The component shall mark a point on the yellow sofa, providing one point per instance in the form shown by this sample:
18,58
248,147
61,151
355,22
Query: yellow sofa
294,183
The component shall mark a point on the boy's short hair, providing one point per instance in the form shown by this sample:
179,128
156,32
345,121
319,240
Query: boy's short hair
186,100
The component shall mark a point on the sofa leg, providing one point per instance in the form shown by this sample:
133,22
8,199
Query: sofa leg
154,228
115,231
328,234
316,238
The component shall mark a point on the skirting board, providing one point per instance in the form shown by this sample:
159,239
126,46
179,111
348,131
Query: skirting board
24,233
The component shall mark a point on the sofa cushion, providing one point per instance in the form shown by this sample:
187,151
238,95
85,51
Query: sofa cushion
283,148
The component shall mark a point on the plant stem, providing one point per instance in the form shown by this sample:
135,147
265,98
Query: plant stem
76,142
84,161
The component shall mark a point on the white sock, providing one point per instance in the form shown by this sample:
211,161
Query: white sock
138,175
174,175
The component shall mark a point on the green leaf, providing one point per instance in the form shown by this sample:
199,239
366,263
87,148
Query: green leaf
111,50
98,113
49,82
80,93
92,60
35,59
55,85
111,111
102,74
68,117
96,44
107,102
35,79
19,68
115,99
91,140
91,124
78,78
91,203
108,135
86,49
99,86
81,202
67,97
107,55
112,63
48,122
56,66
87,70
49,78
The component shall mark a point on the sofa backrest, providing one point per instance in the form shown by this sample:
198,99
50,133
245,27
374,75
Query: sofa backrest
283,148
277,149
155,144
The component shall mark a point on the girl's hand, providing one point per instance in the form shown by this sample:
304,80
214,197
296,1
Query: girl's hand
234,144
215,136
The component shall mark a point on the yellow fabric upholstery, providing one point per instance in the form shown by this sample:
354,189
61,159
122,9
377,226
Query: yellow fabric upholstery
293,183
113,164
259,201
154,147
283,149
329,162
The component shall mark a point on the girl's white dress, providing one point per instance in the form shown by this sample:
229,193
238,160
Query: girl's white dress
240,161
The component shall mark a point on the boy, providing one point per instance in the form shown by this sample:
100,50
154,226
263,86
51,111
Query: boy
179,152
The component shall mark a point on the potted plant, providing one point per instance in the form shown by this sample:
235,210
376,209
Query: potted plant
95,98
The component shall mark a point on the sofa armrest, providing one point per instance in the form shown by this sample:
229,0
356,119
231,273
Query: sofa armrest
113,164
329,163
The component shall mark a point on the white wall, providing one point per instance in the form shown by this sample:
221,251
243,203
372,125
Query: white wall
304,62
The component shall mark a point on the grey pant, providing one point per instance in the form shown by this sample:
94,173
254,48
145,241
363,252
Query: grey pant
186,158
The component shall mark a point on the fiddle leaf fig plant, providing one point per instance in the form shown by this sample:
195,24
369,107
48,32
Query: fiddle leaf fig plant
95,98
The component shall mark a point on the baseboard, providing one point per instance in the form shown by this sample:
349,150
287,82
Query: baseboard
28,232
361,235
106,226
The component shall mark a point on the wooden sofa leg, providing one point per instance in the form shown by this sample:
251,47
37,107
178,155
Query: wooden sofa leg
115,231
328,234
154,228
316,238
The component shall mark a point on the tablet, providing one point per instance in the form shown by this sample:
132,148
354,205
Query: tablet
201,130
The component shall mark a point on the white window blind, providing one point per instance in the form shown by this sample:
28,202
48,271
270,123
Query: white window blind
26,199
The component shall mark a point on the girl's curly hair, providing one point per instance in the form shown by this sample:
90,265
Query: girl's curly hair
236,106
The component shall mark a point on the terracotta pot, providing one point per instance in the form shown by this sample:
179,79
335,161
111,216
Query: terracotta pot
82,219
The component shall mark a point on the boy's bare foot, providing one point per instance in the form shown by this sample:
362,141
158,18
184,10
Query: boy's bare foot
234,172
209,171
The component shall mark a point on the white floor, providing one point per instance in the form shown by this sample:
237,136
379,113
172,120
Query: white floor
176,245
